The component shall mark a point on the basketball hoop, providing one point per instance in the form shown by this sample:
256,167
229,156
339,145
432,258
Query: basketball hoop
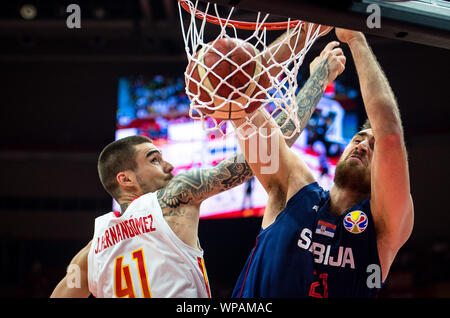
281,95
187,5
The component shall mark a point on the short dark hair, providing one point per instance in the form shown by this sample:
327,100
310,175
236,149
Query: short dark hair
120,155
366,125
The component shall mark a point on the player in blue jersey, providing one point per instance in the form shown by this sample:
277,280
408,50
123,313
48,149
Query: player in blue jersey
342,242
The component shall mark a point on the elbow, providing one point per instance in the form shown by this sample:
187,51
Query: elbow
406,225
408,228
392,137
409,219
386,120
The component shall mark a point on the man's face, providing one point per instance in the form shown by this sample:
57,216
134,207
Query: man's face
152,173
353,168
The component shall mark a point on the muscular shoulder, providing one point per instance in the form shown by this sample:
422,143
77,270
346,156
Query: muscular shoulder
81,259
176,193
179,208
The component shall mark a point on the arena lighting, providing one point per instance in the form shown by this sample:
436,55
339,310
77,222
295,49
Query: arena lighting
28,11
99,13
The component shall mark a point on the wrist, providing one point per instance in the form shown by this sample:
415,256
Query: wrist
322,74
357,40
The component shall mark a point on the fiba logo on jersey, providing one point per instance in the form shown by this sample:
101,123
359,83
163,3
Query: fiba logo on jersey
355,222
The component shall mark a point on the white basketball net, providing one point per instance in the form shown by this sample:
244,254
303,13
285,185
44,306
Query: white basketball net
281,94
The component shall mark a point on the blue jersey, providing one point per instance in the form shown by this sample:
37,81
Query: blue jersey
308,252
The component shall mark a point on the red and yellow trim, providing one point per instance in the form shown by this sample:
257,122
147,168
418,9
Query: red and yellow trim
201,264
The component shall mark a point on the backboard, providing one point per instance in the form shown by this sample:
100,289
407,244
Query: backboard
420,21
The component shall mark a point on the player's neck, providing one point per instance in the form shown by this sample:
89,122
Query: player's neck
125,200
123,207
342,199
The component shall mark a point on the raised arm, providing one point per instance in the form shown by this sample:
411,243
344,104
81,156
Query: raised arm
196,185
391,202
283,49
323,70
277,167
285,173
181,198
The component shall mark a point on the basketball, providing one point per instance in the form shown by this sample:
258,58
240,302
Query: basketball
225,74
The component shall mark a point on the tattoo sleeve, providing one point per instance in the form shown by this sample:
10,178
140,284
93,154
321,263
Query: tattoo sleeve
307,100
196,185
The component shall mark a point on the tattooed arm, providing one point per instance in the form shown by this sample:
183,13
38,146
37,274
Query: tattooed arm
322,73
196,185
285,174
180,200
287,45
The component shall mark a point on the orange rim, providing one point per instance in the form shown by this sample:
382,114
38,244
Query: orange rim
241,24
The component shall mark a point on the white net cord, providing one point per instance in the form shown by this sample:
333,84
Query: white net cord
279,97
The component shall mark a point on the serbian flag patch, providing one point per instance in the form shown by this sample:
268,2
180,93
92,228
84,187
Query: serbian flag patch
325,228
